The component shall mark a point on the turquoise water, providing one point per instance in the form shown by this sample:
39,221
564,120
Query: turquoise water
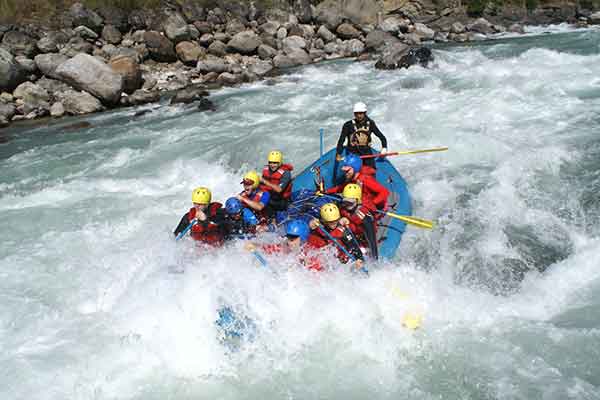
508,284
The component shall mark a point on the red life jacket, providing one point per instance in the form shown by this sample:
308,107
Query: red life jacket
318,239
356,218
208,231
261,215
275,179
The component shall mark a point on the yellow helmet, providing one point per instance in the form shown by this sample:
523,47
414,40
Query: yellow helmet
330,212
352,191
201,195
276,157
251,178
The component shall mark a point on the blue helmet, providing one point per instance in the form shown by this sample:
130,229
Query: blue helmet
233,206
298,227
352,160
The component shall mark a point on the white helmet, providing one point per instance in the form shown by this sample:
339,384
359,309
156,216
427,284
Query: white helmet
360,107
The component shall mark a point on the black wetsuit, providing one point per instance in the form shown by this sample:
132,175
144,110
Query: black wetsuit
348,134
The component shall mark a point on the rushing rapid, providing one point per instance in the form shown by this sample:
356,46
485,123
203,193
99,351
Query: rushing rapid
508,283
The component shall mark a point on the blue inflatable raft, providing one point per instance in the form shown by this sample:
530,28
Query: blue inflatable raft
390,230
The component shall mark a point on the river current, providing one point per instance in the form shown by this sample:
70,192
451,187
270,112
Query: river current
507,284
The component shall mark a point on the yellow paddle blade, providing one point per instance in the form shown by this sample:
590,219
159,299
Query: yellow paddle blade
412,321
421,223
421,151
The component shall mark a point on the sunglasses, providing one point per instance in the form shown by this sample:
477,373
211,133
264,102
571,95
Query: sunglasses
247,182
291,237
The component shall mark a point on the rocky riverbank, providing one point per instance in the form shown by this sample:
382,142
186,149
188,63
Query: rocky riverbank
94,59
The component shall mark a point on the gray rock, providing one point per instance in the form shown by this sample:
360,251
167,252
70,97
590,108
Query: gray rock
114,16
111,34
53,86
316,54
391,55
518,28
7,111
189,52
138,36
27,64
194,33
33,97
326,34
270,27
594,18
57,110
266,52
222,37
499,28
318,44
244,43
79,103
481,25
6,97
402,56
176,28
377,39
160,48
11,73
217,48
261,68
329,17
282,61
281,33
347,31
51,41
412,39
141,97
354,48
129,70
206,39
303,10
331,48
77,45
293,43
81,15
189,94
203,27
441,37
234,27
212,64
393,24
424,32
86,33
192,11
87,73
229,78
299,57
19,44
457,28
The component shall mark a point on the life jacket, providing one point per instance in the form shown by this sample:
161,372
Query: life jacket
356,218
208,231
371,199
275,179
256,196
318,240
361,136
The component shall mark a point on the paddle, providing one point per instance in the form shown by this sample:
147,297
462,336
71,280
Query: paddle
350,256
182,234
421,223
400,153
260,258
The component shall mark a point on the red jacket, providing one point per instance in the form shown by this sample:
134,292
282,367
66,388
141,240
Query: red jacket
356,218
374,194
318,240
208,231
275,179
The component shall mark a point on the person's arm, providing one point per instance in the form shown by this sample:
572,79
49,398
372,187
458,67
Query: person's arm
380,135
381,193
342,139
285,180
256,205
249,217
185,221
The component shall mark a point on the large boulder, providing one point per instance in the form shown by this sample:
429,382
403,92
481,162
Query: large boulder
111,34
51,41
217,48
141,97
270,27
161,49
361,12
77,45
176,28
189,94
424,32
189,52
87,73
481,25
260,68
79,103
130,72
353,48
81,15
234,27
7,111
394,24
266,52
594,18
299,57
19,44
244,42
326,34
11,73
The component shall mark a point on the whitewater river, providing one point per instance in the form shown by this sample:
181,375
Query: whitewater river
508,284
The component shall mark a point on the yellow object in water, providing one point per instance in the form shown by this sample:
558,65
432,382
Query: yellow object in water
412,321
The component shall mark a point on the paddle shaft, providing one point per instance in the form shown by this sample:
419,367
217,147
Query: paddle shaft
182,234
421,223
399,153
